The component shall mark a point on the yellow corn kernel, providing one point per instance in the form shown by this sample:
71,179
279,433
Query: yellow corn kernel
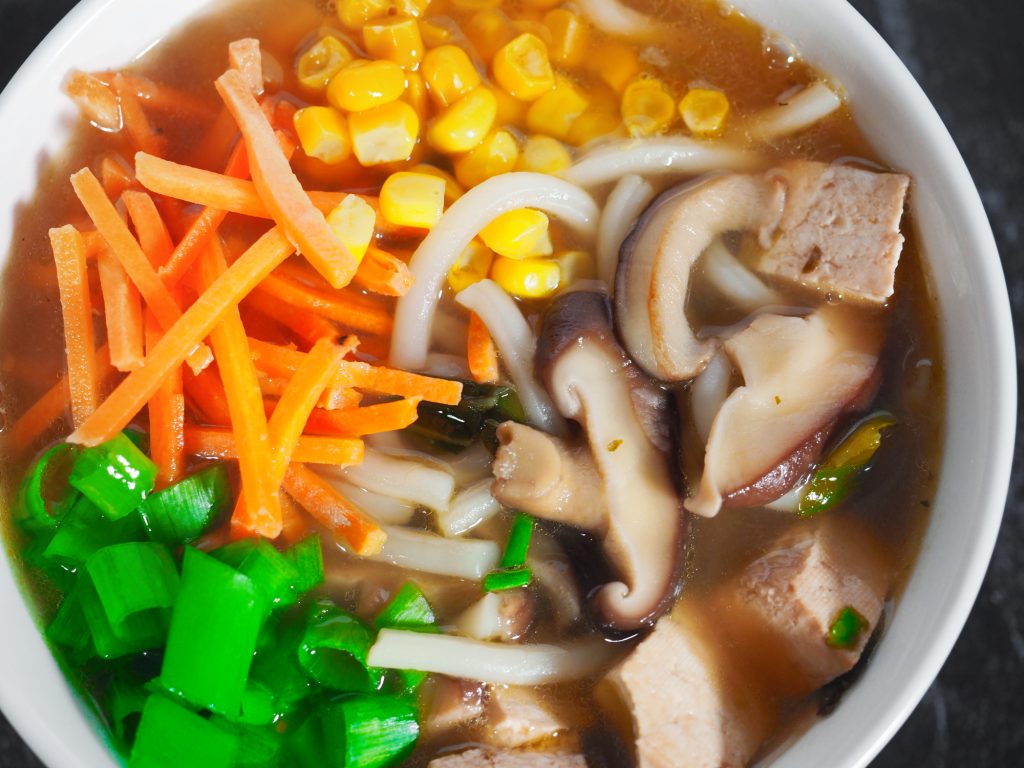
535,27
511,111
541,5
617,64
518,234
647,107
396,40
416,94
385,134
323,134
569,37
353,222
497,153
449,74
464,124
543,154
412,199
592,125
704,111
488,31
527,278
452,189
472,266
522,68
438,31
322,61
576,265
366,84
414,8
354,13
554,112
476,5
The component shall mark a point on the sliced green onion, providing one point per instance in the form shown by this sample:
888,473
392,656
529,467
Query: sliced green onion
140,632
369,732
134,578
115,476
257,705
259,746
518,546
125,704
333,650
846,629
510,578
182,512
214,627
38,510
308,558
408,609
277,668
85,529
170,736
69,628
272,572
304,746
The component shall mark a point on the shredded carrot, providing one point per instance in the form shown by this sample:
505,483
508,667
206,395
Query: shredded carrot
348,308
245,56
310,449
76,307
166,420
294,524
116,174
332,399
280,189
308,326
122,311
128,251
195,324
368,420
94,243
149,226
481,353
164,98
136,122
206,394
96,100
383,273
328,508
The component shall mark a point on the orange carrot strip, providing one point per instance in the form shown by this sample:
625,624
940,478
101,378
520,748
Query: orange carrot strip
350,309
116,175
383,273
96,100
308,326
220,444
94,243
207,395
166,420
195,324
279,188
328,508
76,307
245,56
164,98
149,226
368,420
122,310
332,399
481,353
128,251
135,120
294,524
259,510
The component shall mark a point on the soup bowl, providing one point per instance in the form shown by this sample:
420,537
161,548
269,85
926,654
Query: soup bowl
965,276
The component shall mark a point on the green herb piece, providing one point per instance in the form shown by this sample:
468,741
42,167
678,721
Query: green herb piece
181,513
44,494
69,628
846,629
276,667
408,609
304,745
84,530
115,476
125,703
614,445
308,558
369,732
518,545
334,648
273,573
170,736
212,638
259,746
456,427
497,581
141,632
134,581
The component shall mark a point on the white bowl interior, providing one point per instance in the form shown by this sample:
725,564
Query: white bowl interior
975,322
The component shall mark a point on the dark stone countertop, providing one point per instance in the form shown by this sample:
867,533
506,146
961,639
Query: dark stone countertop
969,58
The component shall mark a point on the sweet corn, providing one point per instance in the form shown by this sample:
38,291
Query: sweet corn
704,111
416,94
449,74
353,222
543,154
438,31
592,125
412,199
534,27
366,84
522,68
569,37
554,112
464,124
396,40
476,5
323,134
354,13
385,134
488,31
497,153
541,5
576,265
452,189
472,266
518,234
527,278
414,8
322,61
511,111
647,107
616,65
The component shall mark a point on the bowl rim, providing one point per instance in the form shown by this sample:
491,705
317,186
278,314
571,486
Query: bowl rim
47,739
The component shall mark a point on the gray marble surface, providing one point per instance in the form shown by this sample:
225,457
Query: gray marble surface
970,60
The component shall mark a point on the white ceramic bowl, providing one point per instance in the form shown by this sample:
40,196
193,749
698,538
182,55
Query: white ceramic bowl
975,318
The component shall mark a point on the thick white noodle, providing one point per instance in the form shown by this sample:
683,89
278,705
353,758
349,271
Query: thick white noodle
385,510
402,478
471,465
734,281
430,264
446,366
626,202
482,620
677,155
508,664
800,111
613,17
516,346
421,551
470,507
707,393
